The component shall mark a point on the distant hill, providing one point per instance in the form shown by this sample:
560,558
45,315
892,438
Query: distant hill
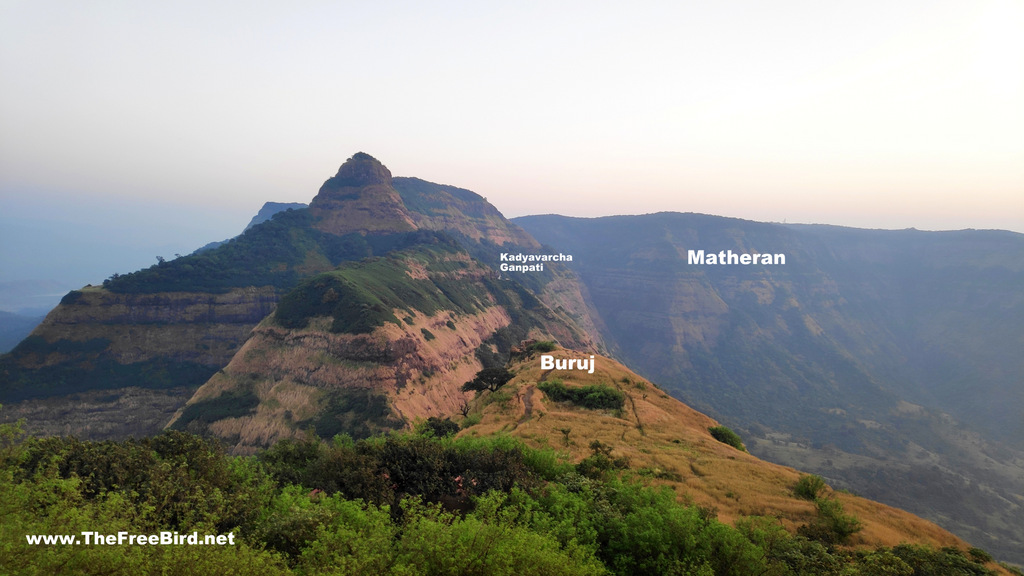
267,212
23,305
888,361
30,297
270,208
14,328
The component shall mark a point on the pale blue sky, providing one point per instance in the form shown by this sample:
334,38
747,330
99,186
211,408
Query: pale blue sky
869,113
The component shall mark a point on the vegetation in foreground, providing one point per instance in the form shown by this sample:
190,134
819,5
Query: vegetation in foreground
404,503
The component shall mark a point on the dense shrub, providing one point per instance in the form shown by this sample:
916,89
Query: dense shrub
383,470
597,397
727,436
91,369
926,561
440,427
405,504
979,555
231,404
833,525
541,346
600,461
177,480
356,412
360,296
810,487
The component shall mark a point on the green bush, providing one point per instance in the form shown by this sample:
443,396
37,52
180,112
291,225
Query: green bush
439,427
361,296
497,539
270,254
810,487
925,560
1011,569
397,504
979,555
176,480
542,346
727,436
600,461
597,397
357,412
95,371
833,525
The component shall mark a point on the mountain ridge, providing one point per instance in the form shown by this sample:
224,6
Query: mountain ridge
815,361
385,300
356,214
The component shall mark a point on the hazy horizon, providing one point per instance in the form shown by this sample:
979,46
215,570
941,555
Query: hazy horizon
55,237
163,127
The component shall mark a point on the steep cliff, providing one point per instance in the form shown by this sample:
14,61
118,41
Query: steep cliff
371,346
111,340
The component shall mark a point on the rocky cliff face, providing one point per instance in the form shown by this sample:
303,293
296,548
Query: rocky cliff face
302,380
99,306
107,366
109,340
359,358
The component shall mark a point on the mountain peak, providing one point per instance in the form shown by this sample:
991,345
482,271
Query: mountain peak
361,170
360,198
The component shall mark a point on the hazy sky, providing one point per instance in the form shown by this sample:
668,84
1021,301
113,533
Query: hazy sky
868,113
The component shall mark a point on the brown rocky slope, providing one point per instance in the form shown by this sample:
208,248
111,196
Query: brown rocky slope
668,443
371,346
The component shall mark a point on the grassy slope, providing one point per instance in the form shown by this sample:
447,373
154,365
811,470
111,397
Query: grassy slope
663,437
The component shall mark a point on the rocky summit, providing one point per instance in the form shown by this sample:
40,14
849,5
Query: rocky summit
360,198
